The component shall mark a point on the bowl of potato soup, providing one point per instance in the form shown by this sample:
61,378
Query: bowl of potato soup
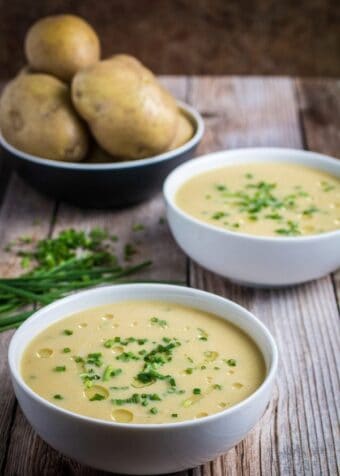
176,375
258,216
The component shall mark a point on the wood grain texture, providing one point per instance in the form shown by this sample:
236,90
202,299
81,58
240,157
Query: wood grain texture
195,37
23,212
27,454
297,435
319,105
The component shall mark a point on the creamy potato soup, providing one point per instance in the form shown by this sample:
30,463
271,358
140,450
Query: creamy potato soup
268,199
143,362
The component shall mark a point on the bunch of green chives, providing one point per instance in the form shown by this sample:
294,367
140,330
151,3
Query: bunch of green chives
71,261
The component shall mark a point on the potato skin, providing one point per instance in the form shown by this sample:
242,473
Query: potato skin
37,117
184,131
99,156
61,45
129,113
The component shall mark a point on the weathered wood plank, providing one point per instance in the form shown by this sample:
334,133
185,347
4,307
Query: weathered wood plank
319,104
177,85
23,212
319,107
261,106
296,434
26,454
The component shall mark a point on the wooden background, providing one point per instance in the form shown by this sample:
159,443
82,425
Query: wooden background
298,434
296,37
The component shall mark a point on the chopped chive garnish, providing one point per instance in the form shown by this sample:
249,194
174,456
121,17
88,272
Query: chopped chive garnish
67,332
217,386
123,341
95,358
196,391
219,215
309,211
60,368
221,188
189,371
291,230
58,396
110,372
153,410
138,398
174,415
66,350
127,356
142,341
231,362
327,187
158,322
97,397
274,216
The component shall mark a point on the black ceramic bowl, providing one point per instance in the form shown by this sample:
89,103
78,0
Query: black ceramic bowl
102,185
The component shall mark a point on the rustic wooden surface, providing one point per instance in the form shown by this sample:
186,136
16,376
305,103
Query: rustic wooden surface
195,36
298,433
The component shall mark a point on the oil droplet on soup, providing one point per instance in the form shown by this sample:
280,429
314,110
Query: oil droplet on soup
117,349
107,317
122,416
45,353
96,393
201,415
154,372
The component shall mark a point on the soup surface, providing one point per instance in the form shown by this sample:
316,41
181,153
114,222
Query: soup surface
268,199
143,362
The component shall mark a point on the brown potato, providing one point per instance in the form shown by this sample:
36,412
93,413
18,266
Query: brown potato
184,131
129,113
37,117
61,45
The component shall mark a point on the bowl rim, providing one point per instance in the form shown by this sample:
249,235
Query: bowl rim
193,113
228,154
270,375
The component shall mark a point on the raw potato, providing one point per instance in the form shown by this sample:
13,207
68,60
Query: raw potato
184,132
99,156
37,117
130,114
61,45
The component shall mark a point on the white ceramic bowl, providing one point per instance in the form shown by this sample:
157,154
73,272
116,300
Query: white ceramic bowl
136,448
248,259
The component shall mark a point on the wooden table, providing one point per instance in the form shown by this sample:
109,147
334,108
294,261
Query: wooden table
298,433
